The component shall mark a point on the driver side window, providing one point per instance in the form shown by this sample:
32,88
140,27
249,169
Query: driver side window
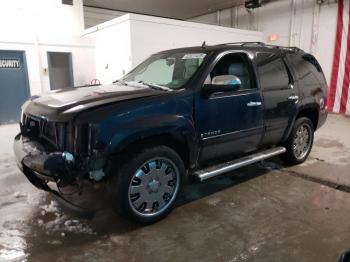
232,65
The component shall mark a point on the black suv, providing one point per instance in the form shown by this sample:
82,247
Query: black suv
198,111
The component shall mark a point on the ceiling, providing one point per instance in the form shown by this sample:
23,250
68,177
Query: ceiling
178,9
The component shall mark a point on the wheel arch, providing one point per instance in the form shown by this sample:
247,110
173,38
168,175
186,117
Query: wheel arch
310,111
175,131
178,143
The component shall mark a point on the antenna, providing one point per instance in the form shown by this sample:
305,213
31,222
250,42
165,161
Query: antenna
204,44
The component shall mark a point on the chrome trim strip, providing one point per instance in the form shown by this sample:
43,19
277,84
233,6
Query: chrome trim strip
252,103
238,163
234,132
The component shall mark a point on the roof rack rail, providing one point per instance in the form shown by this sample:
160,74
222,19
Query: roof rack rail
254,43
244,43
290,48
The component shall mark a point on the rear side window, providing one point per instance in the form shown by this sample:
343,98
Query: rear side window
308,70
312,60
273,75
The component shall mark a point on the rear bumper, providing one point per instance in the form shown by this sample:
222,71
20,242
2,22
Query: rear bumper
322,117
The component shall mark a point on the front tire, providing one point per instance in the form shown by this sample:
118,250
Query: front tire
147,184
299,142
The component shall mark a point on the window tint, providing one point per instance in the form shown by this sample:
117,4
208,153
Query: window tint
274,75
158,69
262,57
233,64
306,69
312,60
171,70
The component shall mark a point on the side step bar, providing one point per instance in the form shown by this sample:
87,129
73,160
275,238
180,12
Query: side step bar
219,169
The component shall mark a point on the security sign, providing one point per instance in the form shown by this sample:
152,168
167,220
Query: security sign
9,63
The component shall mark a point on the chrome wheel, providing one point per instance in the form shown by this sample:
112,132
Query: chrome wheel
153,187
302,141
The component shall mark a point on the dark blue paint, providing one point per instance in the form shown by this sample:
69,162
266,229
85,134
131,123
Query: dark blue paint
211,126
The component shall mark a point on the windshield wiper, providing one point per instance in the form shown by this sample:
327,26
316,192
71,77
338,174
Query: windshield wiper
155,86
120,82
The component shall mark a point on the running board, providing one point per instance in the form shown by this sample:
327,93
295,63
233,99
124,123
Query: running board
220,169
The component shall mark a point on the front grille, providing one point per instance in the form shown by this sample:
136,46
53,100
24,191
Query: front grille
41,129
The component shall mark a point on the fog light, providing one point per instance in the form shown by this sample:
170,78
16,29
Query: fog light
68,157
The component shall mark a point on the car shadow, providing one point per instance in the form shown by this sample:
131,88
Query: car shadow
107,222
197,190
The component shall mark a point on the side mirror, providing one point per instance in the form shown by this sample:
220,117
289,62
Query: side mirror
223,83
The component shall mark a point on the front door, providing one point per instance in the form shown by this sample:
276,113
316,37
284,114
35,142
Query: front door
14,85
230,123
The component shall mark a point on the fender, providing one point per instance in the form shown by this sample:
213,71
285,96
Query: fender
301,108
174,125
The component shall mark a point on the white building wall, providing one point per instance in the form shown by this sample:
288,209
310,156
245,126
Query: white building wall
153,34
112,48
124,42
301,23
37,27
95,16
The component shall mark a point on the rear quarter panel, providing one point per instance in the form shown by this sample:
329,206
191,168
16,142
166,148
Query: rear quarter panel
312,84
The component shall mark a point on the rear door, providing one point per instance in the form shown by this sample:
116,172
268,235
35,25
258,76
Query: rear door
230,123
280,98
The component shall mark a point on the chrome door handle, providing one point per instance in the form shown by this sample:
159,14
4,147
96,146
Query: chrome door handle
293,97
251,103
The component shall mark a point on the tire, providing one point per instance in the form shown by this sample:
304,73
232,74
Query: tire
147,184
299,142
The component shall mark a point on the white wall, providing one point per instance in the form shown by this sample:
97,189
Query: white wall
325,39
42,16
112,48
95,16
124,42
153,34
37,27
304,24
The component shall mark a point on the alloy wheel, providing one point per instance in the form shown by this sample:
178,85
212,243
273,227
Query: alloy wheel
302,141
154,186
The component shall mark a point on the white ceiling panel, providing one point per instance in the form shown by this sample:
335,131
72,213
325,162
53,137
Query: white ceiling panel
178,9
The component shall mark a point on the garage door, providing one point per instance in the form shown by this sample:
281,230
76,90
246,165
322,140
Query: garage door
14,85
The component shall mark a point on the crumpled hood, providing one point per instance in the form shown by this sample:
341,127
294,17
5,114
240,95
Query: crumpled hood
78,99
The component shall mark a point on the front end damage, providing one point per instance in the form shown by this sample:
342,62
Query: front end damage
50,169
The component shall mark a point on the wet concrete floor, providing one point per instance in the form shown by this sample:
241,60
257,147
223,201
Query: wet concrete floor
264,212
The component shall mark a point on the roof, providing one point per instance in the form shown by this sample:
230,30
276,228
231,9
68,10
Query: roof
251,46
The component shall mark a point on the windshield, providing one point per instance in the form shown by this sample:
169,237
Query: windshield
170,70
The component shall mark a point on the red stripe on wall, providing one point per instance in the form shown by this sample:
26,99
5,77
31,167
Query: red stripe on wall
335,69
345,87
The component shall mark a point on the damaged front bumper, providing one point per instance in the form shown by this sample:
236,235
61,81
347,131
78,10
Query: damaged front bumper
41,167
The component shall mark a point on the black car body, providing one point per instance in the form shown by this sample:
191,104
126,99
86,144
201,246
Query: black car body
223,103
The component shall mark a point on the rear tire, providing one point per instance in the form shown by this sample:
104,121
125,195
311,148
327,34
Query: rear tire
299,142
147,184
